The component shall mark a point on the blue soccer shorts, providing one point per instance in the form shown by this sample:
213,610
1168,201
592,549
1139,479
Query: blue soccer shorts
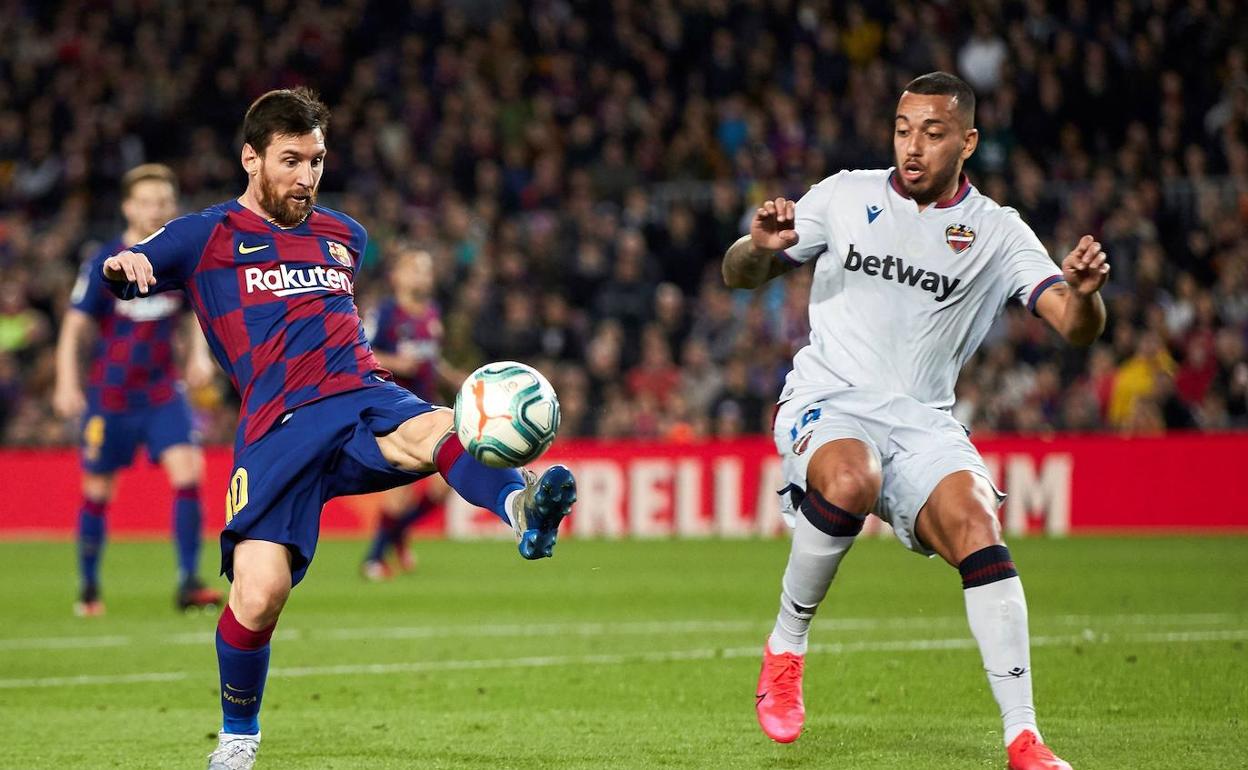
313,453
110,439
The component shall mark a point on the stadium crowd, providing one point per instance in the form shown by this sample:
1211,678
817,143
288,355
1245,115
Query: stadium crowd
578,168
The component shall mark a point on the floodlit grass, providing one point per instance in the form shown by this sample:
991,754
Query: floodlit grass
633,654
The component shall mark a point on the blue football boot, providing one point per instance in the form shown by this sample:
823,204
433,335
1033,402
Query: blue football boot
539,509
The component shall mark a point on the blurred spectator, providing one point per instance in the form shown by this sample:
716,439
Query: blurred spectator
655,377
1137,379
981,58
737,408
577,173
21,327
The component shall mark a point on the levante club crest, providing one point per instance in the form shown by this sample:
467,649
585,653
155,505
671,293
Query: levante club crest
959,237
340,253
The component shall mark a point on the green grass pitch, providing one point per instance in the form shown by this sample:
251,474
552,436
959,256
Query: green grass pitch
634,654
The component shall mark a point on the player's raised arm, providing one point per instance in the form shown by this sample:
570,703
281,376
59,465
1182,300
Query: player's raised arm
162,261
1075,309
755,258
128,272
783,235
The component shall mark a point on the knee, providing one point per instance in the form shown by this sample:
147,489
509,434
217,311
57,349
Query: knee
258,603
98,488
852,486
184,465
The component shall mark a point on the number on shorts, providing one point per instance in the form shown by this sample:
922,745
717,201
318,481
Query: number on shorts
93,437
236,495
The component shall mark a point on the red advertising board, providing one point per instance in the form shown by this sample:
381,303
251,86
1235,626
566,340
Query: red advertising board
1058,486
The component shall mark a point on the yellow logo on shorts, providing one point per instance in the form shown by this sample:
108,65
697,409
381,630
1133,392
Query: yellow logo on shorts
236,494
93,437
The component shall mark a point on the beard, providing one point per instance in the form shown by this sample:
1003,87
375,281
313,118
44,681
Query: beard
930,187
284,210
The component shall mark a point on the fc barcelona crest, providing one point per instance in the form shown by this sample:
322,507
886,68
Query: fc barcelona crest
959,237
340,253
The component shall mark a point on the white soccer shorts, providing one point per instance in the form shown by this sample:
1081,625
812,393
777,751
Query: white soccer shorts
917,447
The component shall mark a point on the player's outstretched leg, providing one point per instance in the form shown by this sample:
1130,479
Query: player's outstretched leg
843,471
959,522
537,511
532,505
262,582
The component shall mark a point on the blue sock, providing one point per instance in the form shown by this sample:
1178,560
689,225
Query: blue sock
481,485
381,539
186,534
90,541
243,661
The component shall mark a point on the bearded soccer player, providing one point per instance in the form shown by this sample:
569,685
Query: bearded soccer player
405,332
913,265
133,395
270,275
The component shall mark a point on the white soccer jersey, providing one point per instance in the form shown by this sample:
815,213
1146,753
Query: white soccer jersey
901,297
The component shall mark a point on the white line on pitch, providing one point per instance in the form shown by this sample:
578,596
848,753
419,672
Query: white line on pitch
639,628
615,659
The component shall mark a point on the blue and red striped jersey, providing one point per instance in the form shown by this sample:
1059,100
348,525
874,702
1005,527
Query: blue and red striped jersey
416,335
277,306
132,364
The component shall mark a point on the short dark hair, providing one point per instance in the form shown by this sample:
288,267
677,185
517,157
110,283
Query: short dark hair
284,112
147,172
943,83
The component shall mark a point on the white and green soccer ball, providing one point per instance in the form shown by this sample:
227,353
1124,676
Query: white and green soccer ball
506,414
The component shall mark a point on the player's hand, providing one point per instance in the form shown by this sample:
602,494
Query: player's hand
772,227
130,266
68,401
1086,267
199,372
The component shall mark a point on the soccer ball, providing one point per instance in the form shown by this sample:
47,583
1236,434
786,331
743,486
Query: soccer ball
506,414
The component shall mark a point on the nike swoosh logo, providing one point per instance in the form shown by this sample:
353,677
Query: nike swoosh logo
245,249
759,698
229,686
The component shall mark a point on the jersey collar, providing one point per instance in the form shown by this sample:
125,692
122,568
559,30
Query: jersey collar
964,189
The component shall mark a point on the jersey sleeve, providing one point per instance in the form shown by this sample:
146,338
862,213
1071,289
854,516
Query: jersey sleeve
1029,268
359,239
90,295
174,251
811,223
